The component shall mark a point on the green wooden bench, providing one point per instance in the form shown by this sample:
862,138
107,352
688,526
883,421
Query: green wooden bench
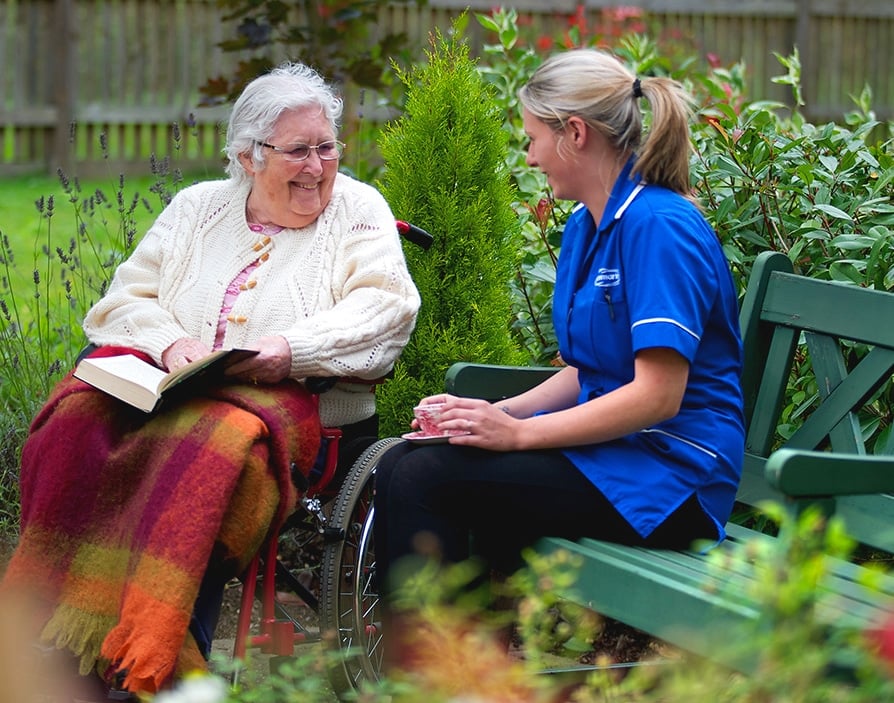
678,596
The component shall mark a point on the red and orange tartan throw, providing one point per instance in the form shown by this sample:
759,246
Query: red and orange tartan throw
121,512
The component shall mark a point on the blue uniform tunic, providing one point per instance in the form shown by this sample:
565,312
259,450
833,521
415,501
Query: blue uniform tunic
653,274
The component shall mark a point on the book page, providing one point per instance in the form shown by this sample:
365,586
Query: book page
131,368
141,384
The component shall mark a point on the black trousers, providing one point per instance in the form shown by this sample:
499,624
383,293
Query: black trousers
441,498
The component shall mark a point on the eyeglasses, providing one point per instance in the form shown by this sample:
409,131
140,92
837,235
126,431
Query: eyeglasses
327,151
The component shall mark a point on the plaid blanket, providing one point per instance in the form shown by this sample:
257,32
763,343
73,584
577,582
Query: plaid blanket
121,512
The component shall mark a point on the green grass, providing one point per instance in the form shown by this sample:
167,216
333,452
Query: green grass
26,226
124,211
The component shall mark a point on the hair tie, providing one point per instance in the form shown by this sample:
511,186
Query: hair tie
637,89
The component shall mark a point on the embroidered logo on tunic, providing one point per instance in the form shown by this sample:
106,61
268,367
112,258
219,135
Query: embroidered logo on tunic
607,278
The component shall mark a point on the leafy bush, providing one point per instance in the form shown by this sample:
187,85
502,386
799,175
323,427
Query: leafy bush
768,180
337,37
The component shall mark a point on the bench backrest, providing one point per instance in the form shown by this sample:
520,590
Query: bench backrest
841,334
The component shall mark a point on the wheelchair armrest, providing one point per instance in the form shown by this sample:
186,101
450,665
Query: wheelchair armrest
85,352
493,382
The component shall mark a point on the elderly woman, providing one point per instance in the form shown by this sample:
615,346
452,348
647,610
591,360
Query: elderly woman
121,512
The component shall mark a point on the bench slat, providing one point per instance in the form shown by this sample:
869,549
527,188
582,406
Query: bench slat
774,381
679,613
828,364
657,591
850,393
492,382
837,309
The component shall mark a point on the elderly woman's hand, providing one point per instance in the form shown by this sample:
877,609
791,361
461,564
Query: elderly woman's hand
182,352
271,364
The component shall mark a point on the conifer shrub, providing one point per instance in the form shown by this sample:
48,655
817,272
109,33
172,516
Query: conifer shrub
445,171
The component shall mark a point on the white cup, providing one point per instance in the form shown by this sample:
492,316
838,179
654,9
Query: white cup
427,417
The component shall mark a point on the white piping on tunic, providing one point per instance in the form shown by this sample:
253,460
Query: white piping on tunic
668,320
633,193
710,453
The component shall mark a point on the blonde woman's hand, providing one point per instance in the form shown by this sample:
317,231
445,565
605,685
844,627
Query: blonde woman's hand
485,425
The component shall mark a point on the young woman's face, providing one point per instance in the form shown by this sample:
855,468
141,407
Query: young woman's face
293,193
543,153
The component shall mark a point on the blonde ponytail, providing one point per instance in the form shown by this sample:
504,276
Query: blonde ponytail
598,88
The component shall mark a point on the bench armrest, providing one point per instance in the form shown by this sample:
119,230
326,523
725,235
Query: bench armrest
800,473
493,382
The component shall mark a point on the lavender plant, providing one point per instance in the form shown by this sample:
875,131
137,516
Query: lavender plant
46,286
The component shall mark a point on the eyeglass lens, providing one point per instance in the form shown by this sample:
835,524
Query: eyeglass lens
327,151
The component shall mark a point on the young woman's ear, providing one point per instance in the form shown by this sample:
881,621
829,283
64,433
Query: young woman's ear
577,131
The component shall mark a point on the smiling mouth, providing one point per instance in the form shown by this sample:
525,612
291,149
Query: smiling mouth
306,186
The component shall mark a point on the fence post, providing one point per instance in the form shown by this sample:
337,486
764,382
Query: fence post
61,151
803,19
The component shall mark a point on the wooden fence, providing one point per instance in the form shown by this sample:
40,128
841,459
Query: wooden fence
94,86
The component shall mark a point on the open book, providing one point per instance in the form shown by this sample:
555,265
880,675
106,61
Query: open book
143,385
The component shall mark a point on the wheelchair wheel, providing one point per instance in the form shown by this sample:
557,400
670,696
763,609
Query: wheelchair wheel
349,599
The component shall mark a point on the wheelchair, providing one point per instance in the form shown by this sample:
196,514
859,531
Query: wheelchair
331,594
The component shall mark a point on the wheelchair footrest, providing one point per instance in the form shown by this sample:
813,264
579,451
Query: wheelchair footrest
279,637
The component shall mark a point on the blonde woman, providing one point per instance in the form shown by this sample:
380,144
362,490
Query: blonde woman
639,439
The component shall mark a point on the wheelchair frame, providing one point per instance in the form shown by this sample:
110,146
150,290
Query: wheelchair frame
338,516
347,598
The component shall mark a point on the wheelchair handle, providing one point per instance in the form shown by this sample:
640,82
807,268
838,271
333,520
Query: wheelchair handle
414,234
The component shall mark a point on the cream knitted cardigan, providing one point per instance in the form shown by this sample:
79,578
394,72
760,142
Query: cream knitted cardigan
337,290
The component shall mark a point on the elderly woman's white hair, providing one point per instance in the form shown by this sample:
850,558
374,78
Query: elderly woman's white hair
290,86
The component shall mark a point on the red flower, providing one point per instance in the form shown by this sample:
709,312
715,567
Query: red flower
579,19
543,211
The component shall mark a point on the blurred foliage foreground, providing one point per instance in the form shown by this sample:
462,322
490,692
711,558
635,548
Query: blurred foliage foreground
458,654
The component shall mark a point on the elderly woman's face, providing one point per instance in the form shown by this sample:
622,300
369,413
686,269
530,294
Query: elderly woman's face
293,193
